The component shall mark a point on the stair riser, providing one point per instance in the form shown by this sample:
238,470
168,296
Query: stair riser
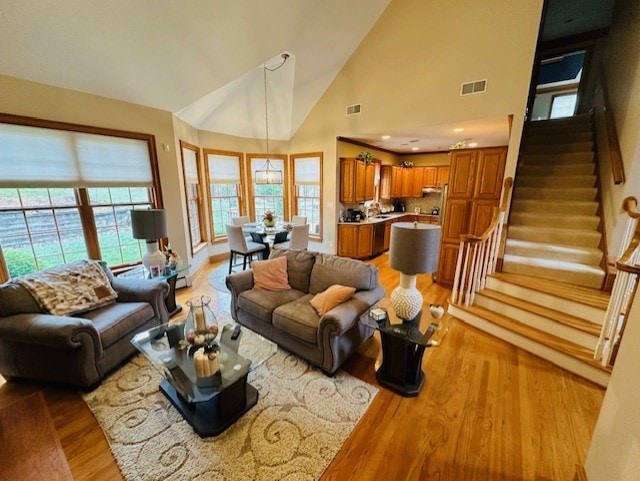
575,123
558,158
548,236
549,170
531,205
577,309
586,258
580,194
560,359
575,278
560,138
559,148
556,181
555,220
539,322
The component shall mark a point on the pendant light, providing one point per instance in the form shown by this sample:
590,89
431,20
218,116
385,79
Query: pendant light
269,174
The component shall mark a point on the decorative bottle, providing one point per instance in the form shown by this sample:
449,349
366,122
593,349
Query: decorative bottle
201,325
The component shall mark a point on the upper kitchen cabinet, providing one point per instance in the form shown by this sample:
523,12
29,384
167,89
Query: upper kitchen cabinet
429,177
442,175
356,180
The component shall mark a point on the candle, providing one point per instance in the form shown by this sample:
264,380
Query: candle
200,324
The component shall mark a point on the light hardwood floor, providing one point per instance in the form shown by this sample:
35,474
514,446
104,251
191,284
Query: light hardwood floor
488,411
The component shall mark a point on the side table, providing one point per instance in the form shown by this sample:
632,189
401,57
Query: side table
171,277
403,346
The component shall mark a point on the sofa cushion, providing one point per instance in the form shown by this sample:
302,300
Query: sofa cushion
15,299
271,274
299,319
332,296
329,270
261,304
299,264
115,321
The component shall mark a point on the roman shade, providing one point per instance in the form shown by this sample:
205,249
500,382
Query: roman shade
223,169
307,171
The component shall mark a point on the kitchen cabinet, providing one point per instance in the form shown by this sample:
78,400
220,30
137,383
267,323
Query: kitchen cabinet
442,175
429,177
475,185
417,181
355,240
407,181
385,181
356,180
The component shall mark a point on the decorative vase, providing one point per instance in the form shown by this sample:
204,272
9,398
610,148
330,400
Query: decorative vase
269,223
201,325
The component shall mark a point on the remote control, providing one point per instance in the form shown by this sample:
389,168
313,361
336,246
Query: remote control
236,332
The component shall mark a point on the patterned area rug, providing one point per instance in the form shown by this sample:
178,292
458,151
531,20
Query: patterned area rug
218,276
299,424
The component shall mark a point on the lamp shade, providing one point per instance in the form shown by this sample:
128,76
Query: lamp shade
149,224
414,247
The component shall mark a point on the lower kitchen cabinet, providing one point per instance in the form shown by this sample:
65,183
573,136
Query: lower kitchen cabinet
355,240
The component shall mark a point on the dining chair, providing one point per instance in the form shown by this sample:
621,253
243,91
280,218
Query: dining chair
241,220
238,244
299,238
299,219
281,237
259,238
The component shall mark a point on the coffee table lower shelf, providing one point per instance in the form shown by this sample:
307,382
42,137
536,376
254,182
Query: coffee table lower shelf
212,417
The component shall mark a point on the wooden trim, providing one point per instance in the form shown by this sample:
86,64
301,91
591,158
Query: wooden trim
617,166
294,210
199,200
249,177
88,224
630,206
568,88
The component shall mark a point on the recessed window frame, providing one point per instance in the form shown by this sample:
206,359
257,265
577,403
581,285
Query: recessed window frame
261,159
194,199
295,190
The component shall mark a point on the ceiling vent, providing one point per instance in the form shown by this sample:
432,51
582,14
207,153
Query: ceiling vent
473,87
353,109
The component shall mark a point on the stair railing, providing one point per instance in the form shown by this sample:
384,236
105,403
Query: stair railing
624,288
478,255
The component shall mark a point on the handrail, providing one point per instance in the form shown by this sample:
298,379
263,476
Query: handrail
624,288
617,166
477,257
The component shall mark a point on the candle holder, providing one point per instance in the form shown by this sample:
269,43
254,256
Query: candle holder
201,325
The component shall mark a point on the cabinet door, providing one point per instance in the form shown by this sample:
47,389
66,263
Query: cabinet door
347,240
365,241
481,215
417,181
385,182
430,176
361,181
462,176
370,174
347,180
442,176
387,234
396,181
407,178
456,219
490,171
447,263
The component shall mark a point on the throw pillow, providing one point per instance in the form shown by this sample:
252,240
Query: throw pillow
331,297
271,274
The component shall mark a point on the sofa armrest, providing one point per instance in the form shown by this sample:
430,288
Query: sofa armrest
236,283
144,290
341,318
57,332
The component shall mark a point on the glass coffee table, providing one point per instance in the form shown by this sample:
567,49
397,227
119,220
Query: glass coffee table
210,407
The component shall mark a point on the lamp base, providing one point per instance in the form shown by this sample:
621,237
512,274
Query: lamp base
153,258
406,299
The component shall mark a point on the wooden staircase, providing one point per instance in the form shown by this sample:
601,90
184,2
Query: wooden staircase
554,227
556,321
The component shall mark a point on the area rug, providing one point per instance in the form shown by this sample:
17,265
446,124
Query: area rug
217,278
299,424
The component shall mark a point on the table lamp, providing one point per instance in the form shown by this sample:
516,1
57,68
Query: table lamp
150,225
413,250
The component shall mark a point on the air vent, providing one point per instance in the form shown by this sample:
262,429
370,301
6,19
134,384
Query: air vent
473,87
353,109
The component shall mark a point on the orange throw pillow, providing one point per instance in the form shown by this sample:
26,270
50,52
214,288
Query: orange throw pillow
271,274
329,298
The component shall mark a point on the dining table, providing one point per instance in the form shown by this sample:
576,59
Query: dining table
268,233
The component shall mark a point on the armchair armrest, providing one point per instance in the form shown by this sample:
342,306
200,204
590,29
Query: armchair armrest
236,283
144,290
57,332
341,318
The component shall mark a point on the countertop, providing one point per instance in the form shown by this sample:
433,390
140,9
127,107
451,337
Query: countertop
390,216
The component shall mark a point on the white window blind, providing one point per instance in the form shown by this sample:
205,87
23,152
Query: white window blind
40,157
223,169
307,171
190,166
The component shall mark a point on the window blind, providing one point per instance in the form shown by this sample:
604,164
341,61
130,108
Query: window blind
190,166
223,169
40,157
307,171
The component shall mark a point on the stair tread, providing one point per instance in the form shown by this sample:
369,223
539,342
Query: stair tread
562,345
554,264
551,314
584,295
558,230
558,215
558,247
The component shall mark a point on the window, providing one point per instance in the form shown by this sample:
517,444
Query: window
66,191
195,208
223,172
268,197
307,175
563,105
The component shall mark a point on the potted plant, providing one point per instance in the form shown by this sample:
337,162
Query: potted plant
365,156
406,164
269,220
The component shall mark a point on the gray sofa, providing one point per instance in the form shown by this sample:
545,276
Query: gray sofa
78,349
287,317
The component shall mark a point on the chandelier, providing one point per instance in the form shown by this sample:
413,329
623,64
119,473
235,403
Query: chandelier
269,174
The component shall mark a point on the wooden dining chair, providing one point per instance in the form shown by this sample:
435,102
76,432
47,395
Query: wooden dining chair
238,244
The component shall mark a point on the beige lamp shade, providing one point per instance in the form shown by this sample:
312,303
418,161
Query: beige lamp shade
414,247
150,224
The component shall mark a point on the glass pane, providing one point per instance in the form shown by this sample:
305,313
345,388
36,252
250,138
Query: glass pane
563,106
13,229
99,195
62,197
120,195
9,198
140,194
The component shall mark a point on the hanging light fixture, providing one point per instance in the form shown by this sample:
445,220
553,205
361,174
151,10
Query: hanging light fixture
269,174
